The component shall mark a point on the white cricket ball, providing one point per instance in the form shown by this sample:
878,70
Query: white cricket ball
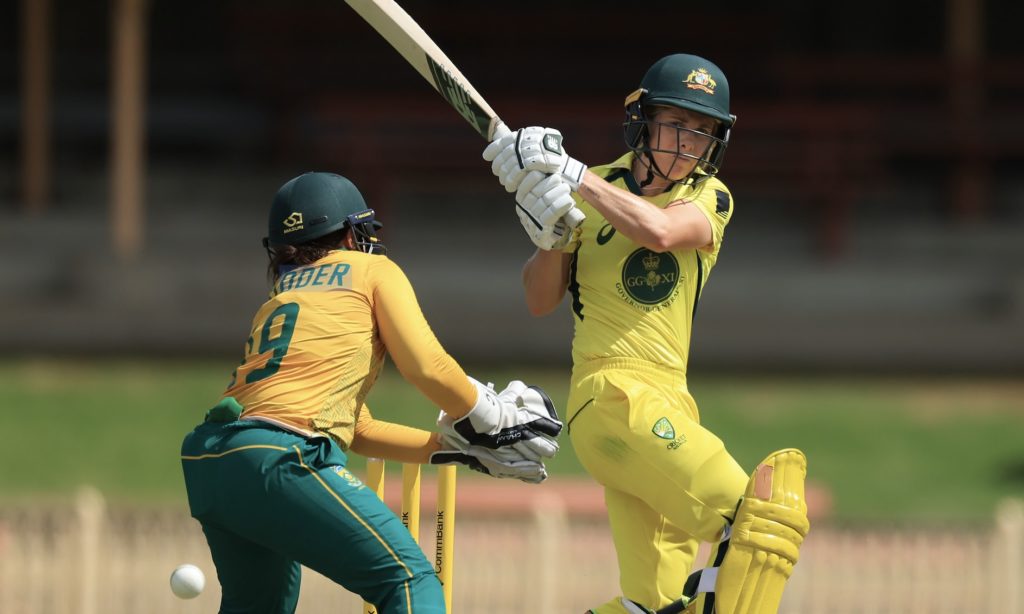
187,581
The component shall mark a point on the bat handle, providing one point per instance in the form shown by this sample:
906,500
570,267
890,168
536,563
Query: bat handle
498,129
574,217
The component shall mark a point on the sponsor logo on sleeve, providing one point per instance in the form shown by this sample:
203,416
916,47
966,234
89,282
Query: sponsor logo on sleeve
605,234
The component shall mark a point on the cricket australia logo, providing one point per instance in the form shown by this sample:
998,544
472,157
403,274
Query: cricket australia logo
650,278
700,80
664,429
293,222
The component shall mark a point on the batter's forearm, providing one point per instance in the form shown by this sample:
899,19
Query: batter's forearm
545,278
680,225
637,219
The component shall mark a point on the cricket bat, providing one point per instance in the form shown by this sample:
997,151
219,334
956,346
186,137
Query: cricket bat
408,38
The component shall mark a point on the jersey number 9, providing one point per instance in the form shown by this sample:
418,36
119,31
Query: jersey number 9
278,345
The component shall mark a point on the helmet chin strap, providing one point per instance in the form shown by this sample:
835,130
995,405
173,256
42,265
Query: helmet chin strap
649,167
647,161
653,171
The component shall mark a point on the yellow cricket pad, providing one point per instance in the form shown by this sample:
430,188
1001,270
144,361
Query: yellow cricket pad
769,528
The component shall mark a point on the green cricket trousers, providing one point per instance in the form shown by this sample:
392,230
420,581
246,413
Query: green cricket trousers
270,500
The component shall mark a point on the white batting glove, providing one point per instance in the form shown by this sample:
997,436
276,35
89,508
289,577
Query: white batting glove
532,149
545,198
501,153
521,416
542,204
548,238
540,149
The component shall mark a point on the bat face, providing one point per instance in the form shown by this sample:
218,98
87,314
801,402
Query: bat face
409,39
460,99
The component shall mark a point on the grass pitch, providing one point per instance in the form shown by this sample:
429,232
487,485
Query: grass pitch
930,450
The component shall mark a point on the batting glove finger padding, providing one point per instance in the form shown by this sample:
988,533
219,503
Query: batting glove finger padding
545,237
506,168
545,197
503,138
542,205
501,153
540,149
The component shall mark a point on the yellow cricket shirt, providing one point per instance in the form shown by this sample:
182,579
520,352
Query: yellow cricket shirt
318,344
631,302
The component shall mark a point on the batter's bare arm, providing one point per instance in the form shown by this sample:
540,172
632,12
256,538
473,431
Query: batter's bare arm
679,226
545,278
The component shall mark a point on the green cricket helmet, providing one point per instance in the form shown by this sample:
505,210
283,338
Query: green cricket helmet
687,82
313,205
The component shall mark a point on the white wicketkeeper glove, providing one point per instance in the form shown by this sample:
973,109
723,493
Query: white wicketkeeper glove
520,416
541,204
532,149
500,463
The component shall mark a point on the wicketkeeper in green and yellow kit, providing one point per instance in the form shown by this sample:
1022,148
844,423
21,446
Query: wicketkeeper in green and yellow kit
265,472
635,269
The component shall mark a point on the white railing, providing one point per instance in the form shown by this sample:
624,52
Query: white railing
91,558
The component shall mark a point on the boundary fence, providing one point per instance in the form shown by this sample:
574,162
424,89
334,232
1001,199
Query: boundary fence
88,557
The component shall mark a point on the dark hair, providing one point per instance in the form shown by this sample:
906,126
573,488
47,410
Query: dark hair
306,253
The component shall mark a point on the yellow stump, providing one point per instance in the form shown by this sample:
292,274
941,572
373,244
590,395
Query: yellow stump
375,482
375,476
411,499
445,531
444,545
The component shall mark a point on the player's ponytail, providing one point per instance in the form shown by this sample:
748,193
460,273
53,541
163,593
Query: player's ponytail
285,257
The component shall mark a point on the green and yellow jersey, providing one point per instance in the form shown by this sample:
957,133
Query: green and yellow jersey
318,344
631,302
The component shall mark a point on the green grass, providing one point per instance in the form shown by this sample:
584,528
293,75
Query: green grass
927,450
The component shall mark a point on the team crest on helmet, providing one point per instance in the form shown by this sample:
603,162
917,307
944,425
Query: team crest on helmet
700,80
293,222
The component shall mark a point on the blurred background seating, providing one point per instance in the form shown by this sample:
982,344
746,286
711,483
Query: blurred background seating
880,211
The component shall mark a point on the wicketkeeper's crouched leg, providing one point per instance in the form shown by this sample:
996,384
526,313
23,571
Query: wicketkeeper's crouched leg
751,564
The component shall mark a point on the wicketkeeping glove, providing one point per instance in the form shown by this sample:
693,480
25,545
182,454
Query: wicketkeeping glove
519,416
500,463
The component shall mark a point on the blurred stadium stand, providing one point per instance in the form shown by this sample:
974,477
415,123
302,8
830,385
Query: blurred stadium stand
880,206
